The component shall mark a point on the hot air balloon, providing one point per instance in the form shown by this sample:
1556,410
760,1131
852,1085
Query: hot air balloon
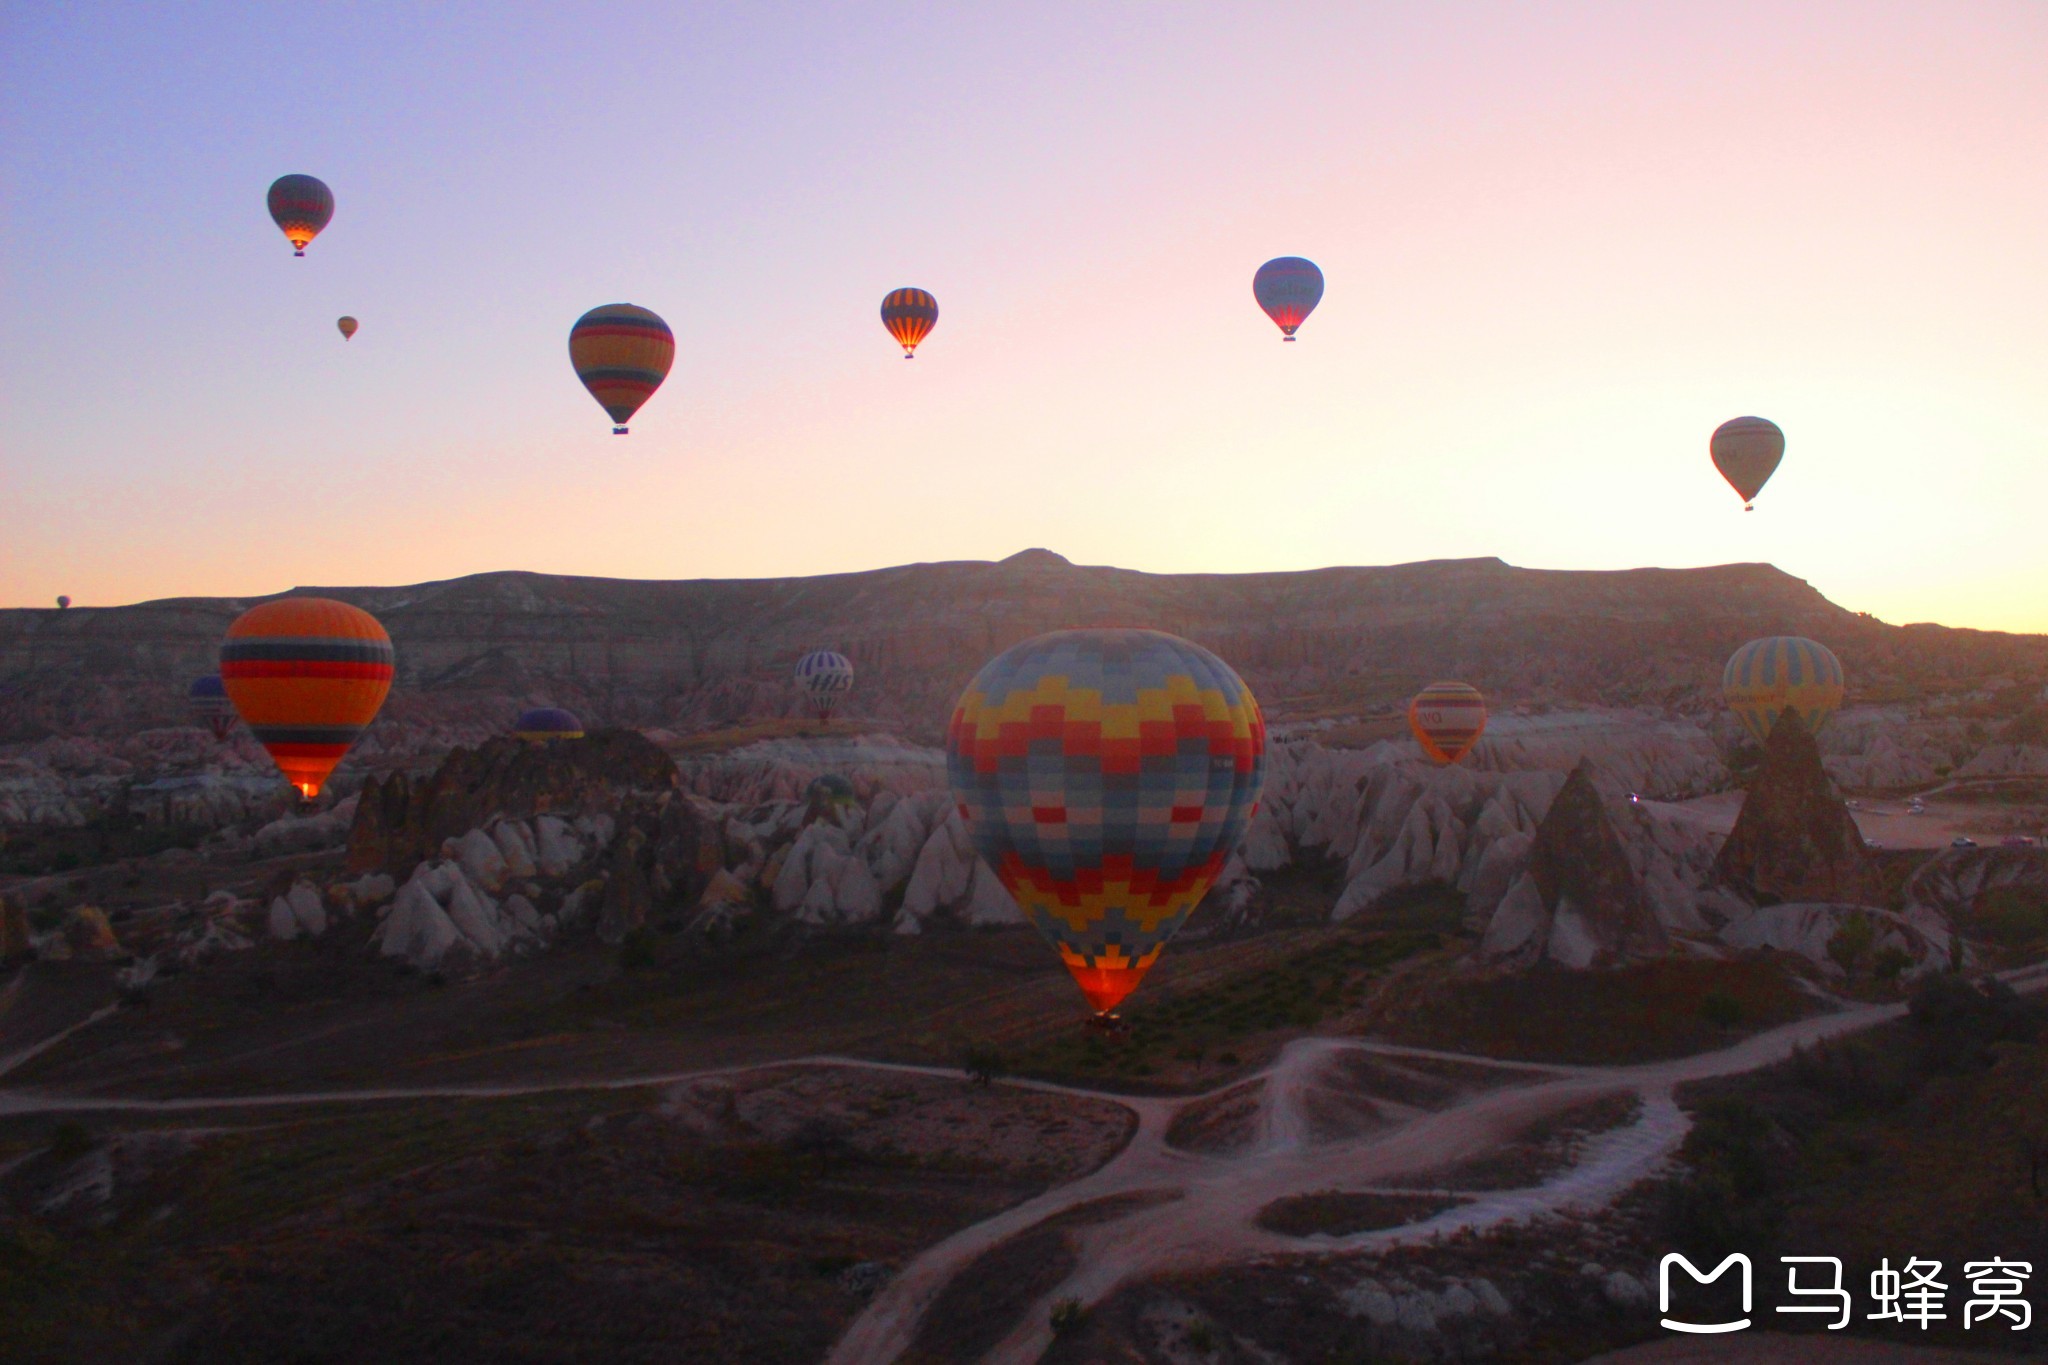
1766,676
1746,451
546,724
1105,775
307,675
347,326
63,603
207,699
1288,288
621,353
1447,718
300,206
910,315
825,675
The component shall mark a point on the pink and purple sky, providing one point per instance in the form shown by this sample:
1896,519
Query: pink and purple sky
1562,242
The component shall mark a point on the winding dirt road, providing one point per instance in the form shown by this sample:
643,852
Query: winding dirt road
1287,1150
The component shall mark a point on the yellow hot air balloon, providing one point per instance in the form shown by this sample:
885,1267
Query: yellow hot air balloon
1766,676
347,326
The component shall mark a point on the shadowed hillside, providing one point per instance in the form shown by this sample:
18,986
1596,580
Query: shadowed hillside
698,654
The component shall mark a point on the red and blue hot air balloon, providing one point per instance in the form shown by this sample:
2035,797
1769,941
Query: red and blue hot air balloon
300,205
207,699
1288,288
910,315
1105,776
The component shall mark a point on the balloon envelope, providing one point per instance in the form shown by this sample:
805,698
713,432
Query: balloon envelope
1447,718
825,675
307,675
1288,288
347,326
207,699
910,315
1766,676
300,206
1105,776
62,603
1746,450
543,724
621,352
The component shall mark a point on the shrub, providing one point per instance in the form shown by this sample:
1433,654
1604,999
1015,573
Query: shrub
1068,1317
640,951
984,1064
1851,940
1202,1335
1721,1009
69,1141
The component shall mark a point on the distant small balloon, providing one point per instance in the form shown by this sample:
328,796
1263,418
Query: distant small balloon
825,675
1447,718
1746,451
621,352
62,603
347,326
547,725
207,699
910,315
300,205
1288,288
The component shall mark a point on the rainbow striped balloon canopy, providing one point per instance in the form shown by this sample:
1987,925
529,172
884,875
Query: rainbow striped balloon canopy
621,352
307,675
1288,288
910,315
1447,718
1766,676
1105,776
545,724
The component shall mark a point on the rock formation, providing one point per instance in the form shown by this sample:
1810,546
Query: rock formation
400,821
1581,902
1794,839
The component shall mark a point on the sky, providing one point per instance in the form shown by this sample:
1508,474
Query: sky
1562,243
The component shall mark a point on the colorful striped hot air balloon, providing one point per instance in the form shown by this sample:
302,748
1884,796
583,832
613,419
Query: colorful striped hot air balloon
621,352
300,206
1105,776
1288,288
825,675
910,315
307,675
1746,450
1447,718
546,724
207,699
1766,676
347,326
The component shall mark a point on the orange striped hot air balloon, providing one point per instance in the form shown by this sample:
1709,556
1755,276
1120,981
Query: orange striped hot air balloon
621,352
307,675
1447,718
910,315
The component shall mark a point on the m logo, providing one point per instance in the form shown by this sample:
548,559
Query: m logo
1664,1291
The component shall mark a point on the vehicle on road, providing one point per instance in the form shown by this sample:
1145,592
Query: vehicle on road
1962,841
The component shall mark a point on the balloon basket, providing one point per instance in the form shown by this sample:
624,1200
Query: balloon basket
1287,338
1110,1024
300,252
910,355
618,431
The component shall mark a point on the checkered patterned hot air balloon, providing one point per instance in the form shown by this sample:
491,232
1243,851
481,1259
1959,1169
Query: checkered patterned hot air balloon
1105,776
207,699
1766,676
300,205
621,352
825,675
307,675
546,724
1447,718
1288,288
910,315
1746,450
